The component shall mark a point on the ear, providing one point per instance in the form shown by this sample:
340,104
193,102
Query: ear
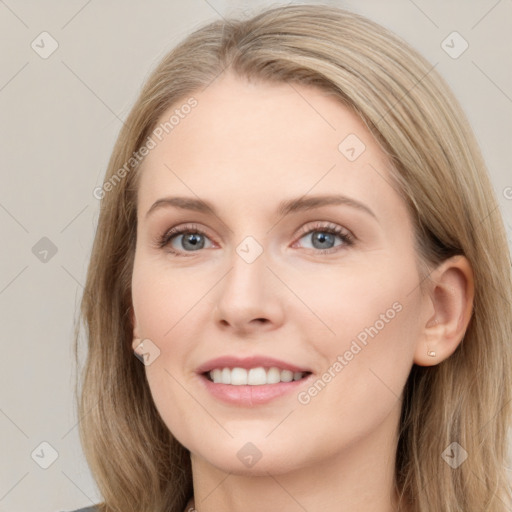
449,306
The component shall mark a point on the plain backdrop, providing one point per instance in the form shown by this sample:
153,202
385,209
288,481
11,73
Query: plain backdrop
60,116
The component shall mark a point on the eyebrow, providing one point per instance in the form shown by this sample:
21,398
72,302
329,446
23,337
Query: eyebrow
285,207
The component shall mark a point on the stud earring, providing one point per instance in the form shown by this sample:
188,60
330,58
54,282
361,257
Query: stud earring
431,353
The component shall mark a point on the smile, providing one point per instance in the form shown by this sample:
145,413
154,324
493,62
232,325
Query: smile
258,376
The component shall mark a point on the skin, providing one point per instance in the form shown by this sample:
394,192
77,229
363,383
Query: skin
246,147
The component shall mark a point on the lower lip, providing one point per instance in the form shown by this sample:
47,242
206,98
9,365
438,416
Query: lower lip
251,395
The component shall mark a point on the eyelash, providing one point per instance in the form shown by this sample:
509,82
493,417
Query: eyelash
347,238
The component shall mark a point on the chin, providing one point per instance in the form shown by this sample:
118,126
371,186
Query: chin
258,458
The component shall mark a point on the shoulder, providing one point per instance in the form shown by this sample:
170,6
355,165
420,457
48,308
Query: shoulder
87,509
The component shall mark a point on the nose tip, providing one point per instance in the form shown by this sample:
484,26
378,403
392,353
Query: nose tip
240,324
247,301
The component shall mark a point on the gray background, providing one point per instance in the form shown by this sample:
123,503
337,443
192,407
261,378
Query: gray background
60,117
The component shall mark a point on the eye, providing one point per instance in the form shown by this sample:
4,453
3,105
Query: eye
189,238
323,237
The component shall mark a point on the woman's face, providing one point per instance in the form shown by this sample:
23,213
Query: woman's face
304,264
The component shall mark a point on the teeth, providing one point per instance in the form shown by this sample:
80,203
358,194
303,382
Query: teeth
238,376
253,377
257,376
226,376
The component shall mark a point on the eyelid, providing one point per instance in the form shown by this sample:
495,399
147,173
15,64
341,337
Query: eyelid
163,241
319,225
347,237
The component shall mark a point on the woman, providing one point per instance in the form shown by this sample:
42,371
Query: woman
299,241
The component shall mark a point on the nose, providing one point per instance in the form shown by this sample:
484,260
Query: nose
250,298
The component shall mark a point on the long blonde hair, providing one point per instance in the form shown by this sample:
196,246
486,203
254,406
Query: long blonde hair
135,460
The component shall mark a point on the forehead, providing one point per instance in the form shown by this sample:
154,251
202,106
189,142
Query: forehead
254,143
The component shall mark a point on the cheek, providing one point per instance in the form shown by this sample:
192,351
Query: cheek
373,318
166,308
344,301
163,299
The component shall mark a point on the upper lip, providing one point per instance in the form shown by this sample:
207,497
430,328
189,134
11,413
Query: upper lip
247,363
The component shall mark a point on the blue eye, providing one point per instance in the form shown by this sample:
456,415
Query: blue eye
323,237
191,238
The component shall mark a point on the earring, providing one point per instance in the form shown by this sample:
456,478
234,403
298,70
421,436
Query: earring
431,353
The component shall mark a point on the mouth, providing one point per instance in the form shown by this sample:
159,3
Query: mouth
257,376
251,380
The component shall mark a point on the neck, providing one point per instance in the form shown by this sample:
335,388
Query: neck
358,478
